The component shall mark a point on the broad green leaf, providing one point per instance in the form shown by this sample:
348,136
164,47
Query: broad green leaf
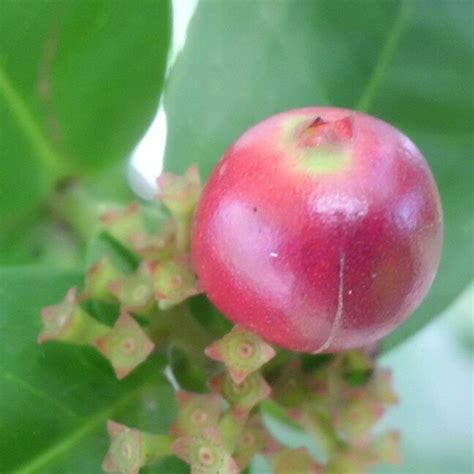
55,399
427,92
244,61
79,82
408,62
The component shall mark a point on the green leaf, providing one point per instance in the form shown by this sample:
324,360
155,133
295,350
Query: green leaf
189,375
55,398
79,83
427,93
209,316
403,61
244,61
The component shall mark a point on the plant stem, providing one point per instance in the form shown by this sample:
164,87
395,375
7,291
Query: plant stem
231,428
320,426
73,204
177,325
183,233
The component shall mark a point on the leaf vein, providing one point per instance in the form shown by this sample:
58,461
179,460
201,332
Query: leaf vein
388,51
24,118
68,442
10,377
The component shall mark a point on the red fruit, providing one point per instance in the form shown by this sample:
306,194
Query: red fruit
320,230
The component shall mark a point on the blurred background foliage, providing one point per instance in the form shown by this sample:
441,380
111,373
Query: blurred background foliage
80,83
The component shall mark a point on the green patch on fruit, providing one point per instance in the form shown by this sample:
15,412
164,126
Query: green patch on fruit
316,151
324,160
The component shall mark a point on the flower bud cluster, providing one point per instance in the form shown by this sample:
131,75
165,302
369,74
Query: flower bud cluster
163,279
222,431
336,399
339,404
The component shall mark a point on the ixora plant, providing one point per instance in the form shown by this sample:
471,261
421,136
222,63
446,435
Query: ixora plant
320,232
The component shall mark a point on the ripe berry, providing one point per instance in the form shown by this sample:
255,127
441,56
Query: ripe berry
320,230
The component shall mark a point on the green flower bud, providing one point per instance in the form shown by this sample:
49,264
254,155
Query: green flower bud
316,418
123,223
290,388
197,413
292,461
158,245
230,427
347,463
357,415
380,387
68,322
252,440
242,351
242,397
130,449
356,367
135,293
173,281
386,448
99,278
357,361
205,454
180,194
126,346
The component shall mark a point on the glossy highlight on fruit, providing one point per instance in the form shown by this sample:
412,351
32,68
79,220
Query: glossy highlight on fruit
320,229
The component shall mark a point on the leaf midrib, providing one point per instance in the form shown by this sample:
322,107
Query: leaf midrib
387,54
43,150
67,443
36,392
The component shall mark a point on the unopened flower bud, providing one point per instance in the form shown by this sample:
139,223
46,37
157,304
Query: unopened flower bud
205,454
252,440
347,462
99,278
134,292
386,448
197,413
68,322
357,415
158,245
381,387
290,389
126,346
130,449
123,223
173,281
242,351
242,397
180,194
292,461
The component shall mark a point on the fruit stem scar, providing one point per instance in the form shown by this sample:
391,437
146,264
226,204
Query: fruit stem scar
317,121
336,325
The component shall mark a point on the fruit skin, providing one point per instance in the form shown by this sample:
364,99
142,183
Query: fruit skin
320,229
